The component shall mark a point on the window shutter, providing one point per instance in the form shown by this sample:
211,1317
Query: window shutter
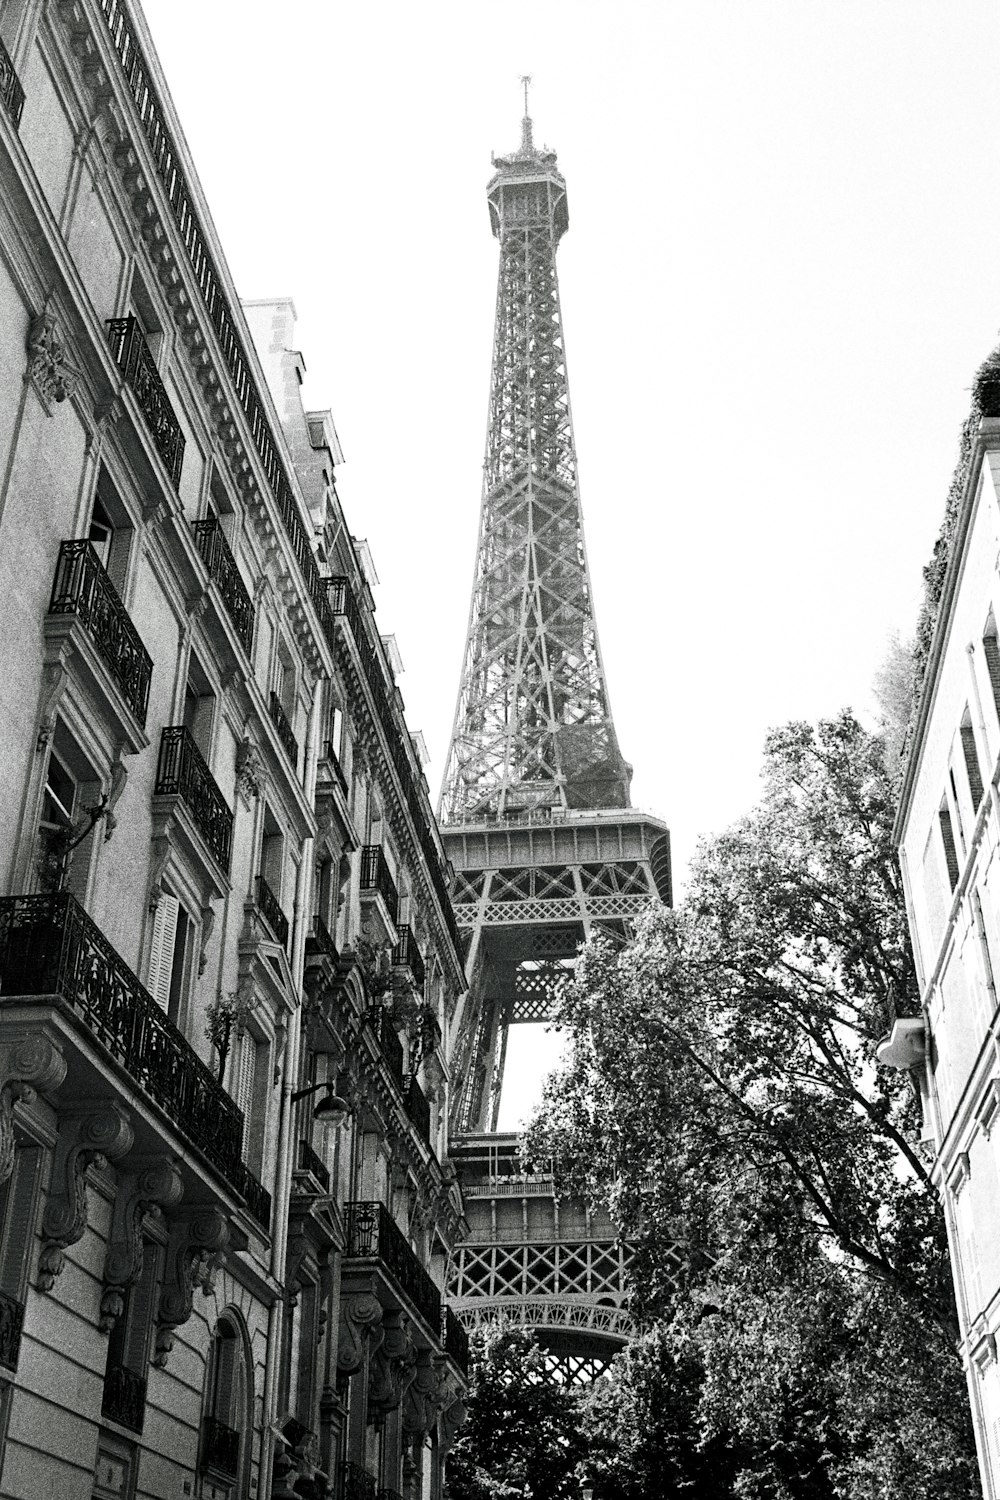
244,1083
161,956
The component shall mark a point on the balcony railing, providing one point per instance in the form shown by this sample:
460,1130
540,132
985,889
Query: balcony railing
220,1448
385,1494
279,719
124,1397
182,772
455,1339
372,1234
330,758
406,953
11,1322
319,942
356,1483
82,588
381,1023
418,1108
49,946
375,876
257,1197
270,910
221,565
310,1162
11,92
130,353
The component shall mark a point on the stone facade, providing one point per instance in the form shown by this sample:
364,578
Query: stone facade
228,962
949,837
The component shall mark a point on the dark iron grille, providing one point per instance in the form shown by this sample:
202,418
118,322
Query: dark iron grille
356,1483
386,1494
216,303
221,565
275,918
310,1162
343,602
455,1339
330,757
82,588
220,1448
182,772
49,946
11,1323
418,1108
132,356
406,952
375,876
380,1021
11,92
258,1199
124,1397
319,940
279,719
372,1234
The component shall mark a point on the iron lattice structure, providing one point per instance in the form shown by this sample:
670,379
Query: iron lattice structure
535,807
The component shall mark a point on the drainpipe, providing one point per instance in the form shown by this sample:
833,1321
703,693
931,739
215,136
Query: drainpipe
286,1143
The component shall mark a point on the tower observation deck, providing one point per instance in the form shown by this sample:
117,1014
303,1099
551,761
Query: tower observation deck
535,806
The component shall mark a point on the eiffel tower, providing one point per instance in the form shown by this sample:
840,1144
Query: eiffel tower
535,807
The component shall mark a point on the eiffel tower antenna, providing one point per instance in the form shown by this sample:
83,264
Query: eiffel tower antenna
535,805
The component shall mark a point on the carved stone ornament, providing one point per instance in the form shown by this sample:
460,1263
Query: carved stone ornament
148,1190
196,1250
92,1139
55,676
49,368
116,785
420,1405
452,1418
28,1061
251,778
391,1367
360,1330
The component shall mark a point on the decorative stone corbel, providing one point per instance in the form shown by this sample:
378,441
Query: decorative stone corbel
207,924
28,1061
452,1417
391,1368
92,1139
420,1401
54,680
116,785
49,368
360,1330
251,778
196,1250
157,866
148,1190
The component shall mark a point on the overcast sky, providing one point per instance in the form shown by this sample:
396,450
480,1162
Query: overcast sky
782,269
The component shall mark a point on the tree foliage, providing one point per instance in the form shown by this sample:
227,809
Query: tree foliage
722,1096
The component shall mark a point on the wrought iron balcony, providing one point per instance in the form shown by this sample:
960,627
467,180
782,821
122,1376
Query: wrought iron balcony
373,1234
455,1339
418,1108
319,943
132,356
50,946
258,1199
310,1162
220,1448
124,1397
356,1483
11,92
381,1022
11,1322
82,588
270,910
375,876
182,772
279,719
406,954
386,1494
221,565
330,759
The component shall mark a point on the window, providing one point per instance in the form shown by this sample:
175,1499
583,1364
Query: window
18,1215
948,839
227,1430
128,1346
66,839
971,755
169,952
199,707
991,650
110,532
956,809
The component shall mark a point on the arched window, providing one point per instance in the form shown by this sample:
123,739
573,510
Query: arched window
227,1427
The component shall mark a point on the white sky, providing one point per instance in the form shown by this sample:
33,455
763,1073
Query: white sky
782,269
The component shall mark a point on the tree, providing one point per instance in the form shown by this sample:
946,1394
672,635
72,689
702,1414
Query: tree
523,1436
721,1094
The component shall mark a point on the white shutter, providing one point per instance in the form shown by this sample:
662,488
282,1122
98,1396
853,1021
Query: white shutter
244,1083
161,953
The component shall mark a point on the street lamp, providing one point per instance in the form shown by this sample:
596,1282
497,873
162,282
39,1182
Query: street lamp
587,1488
331,1110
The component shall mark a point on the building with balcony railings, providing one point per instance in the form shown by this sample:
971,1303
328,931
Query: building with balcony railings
948,828
224,920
